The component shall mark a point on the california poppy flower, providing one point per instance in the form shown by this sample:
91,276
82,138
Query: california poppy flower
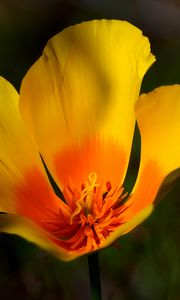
79,102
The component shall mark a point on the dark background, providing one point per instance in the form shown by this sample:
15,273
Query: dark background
147,265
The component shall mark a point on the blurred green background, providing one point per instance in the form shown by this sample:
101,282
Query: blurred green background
146,263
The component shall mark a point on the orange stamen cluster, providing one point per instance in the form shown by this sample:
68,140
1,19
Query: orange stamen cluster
88,216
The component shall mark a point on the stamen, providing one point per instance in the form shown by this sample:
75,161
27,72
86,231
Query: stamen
86,198
89,215
108,186
76,212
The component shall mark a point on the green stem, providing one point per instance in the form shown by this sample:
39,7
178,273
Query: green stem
94,276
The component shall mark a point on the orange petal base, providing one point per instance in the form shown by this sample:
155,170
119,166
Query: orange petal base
106,158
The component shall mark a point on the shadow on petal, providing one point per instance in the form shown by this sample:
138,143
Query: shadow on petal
167,185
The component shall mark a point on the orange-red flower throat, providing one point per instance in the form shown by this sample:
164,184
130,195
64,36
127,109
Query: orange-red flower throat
81,222
88,216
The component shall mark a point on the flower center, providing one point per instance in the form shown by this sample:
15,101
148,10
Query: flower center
84,203
88,216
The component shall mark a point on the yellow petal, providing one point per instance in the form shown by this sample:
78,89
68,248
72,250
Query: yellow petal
158,117
78,98
33,233
24,187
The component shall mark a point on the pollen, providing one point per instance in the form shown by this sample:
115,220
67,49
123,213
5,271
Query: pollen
89,215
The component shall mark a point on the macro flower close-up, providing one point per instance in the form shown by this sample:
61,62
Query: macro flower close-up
75,119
